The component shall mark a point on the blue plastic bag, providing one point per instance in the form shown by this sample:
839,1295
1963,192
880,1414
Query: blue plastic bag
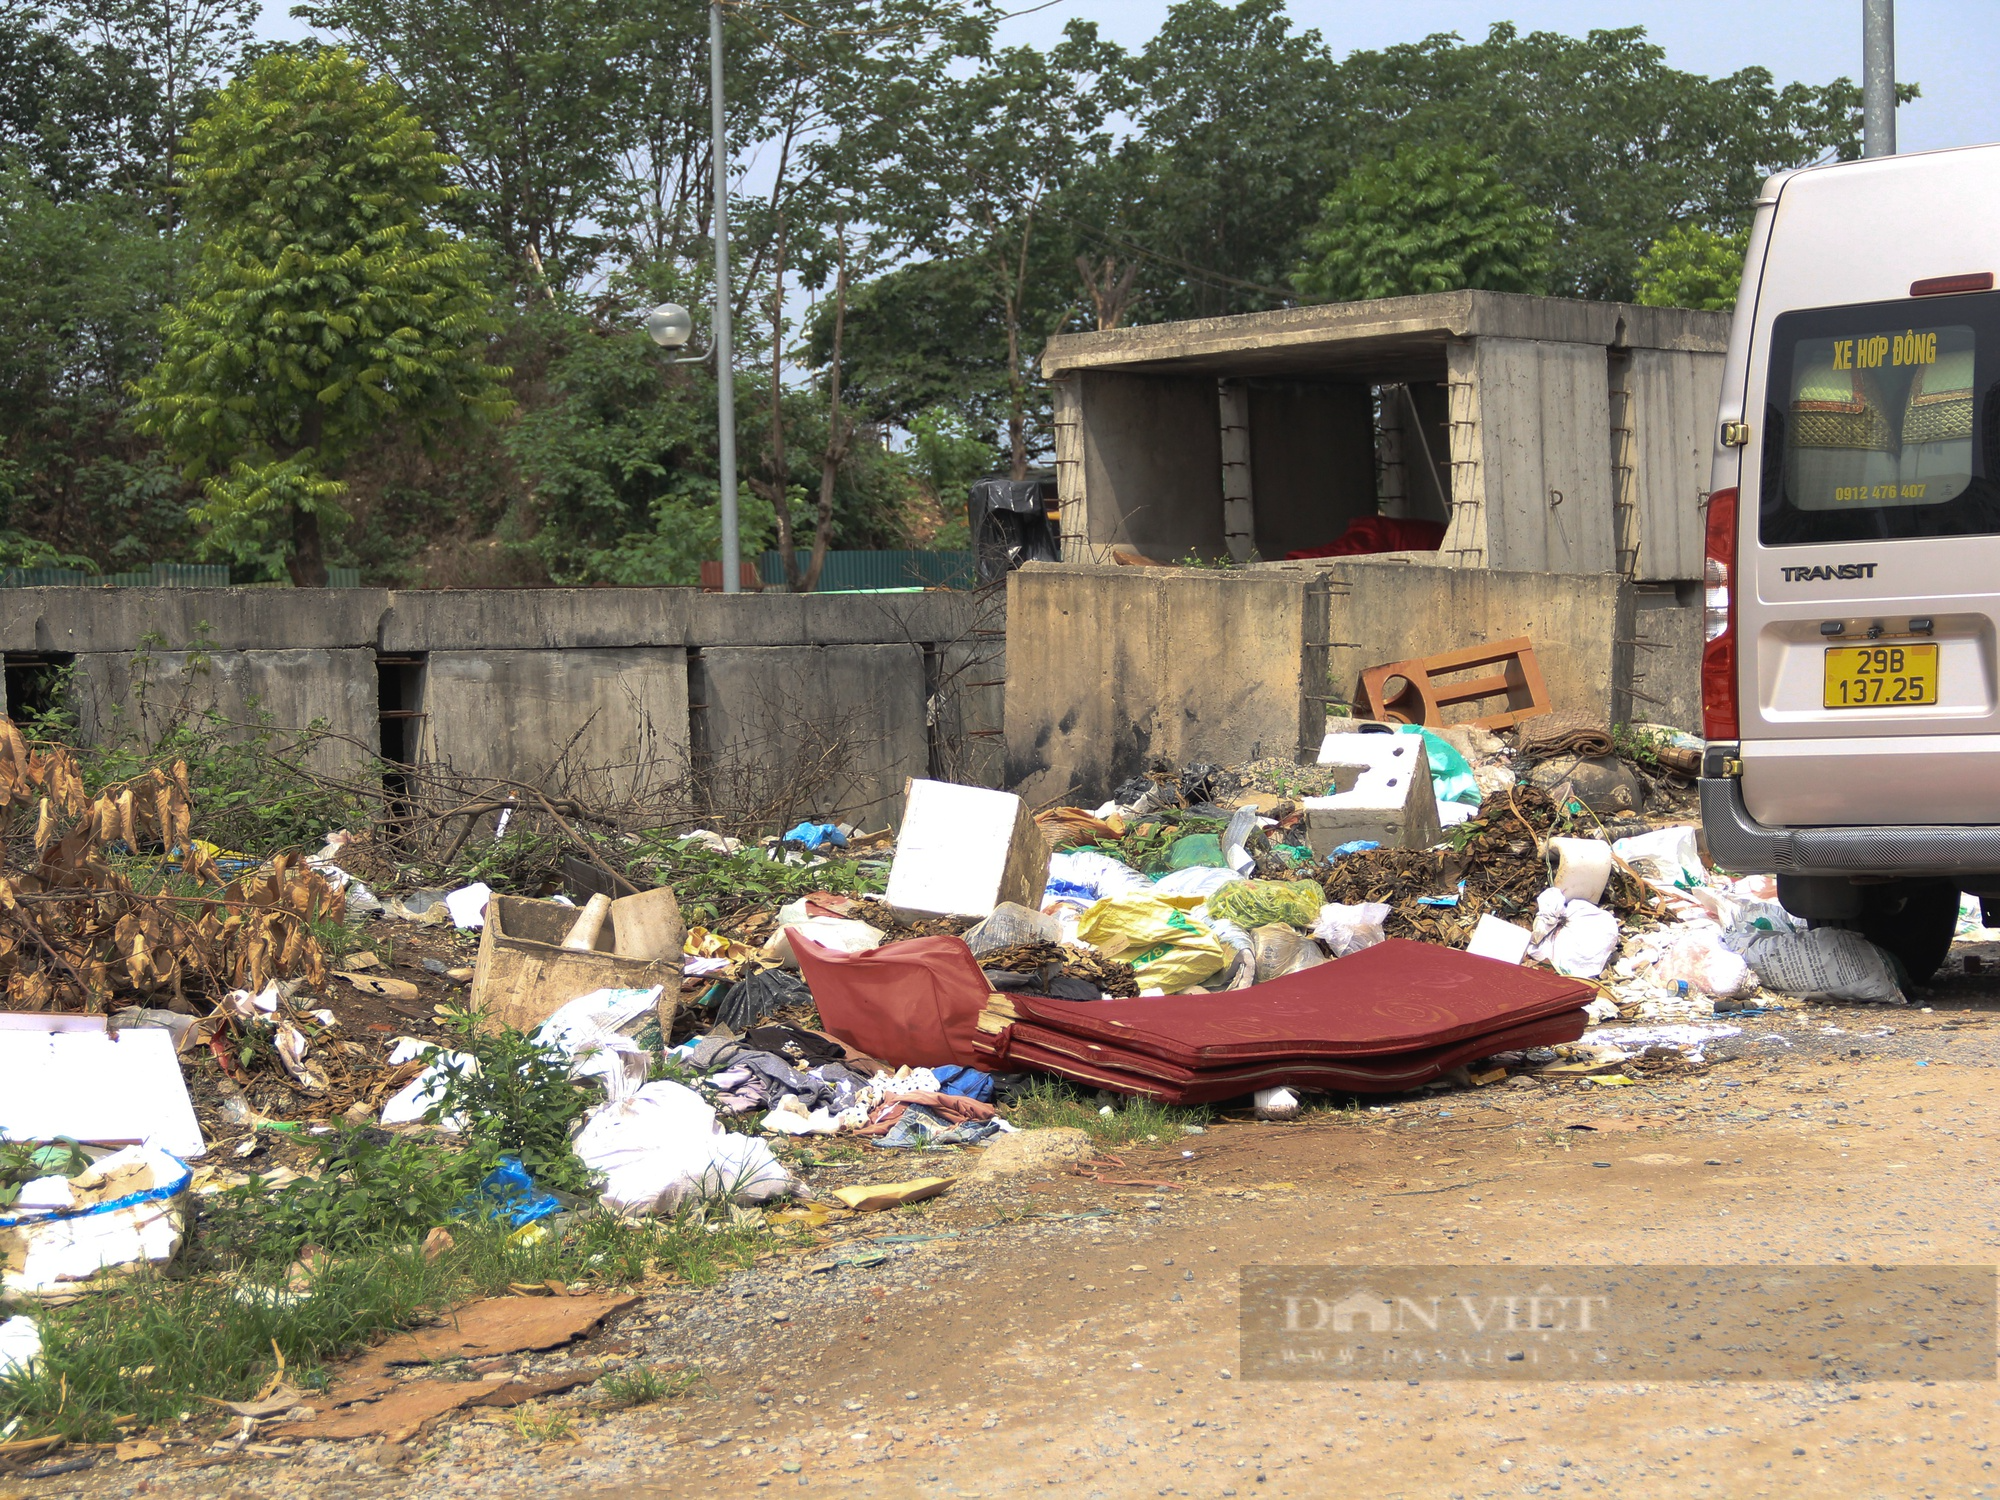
816,836
510,1193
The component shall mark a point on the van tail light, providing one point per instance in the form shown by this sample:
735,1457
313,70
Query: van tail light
1718,655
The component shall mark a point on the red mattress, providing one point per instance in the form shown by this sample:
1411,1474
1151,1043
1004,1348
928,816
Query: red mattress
1027,1046
1395,998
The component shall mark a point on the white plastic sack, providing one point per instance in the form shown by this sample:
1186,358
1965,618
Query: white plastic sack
662,1148
1573,937
1275,1104
1824,963
1197,880
67,1246
1698,955
1349,929
467,905
1083,877
1279,951
20,1347
842,934
1665,855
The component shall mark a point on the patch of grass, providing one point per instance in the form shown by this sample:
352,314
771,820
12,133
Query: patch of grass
1640,745
153,1347
642,1385
539,1424
1054,1103
519,1102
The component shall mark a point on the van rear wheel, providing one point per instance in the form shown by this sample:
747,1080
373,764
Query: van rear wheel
1913,919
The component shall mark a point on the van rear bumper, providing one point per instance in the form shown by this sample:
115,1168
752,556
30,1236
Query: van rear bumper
1736,841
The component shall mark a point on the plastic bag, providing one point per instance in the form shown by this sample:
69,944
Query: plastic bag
1573,937
1451,773
1824,963
1254,903
55,1247
1167,949
1280,951
1666,855
760,997
842,934
1698,956
1009,924
1200,882
663,1147
1349,929
1080,876
1193,851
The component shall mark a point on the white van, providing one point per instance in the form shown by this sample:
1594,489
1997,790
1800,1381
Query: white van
1851,680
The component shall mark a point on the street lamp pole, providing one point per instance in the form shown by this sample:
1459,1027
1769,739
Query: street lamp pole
725,373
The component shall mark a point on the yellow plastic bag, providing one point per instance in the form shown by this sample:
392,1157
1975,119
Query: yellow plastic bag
1167,949
1256,903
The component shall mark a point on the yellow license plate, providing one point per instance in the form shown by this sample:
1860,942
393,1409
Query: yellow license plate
1881,676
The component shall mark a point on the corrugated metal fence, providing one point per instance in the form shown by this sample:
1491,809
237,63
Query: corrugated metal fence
158,576
845,571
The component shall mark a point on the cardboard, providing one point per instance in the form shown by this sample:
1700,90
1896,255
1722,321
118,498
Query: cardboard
963,850
524,975
70,1076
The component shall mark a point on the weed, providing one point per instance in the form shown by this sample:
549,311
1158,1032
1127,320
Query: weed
642,1385
152,1347
370,1192
1641,746
1051,1102
519,1101
538,1424
718,890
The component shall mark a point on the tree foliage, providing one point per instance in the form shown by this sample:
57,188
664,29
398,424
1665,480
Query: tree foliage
1426,221
324,302
1693,267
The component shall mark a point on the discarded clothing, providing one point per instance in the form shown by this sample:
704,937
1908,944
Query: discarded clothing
918,1128
951,1107
796,1044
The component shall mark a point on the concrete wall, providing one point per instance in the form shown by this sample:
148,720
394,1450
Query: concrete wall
1152,464
138,695
1312,461
584,690
1673,399
1532,492
1110,668
625,710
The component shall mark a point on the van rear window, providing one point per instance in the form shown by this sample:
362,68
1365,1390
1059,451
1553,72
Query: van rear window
1882,422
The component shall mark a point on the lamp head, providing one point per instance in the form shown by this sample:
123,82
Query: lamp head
669,325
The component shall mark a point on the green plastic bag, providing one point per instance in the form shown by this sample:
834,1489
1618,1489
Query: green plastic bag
1451,773
1196,850
1255,903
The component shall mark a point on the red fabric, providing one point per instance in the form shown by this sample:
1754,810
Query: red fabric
1396,997
914,1003
1379,534
953,1107
1148,1077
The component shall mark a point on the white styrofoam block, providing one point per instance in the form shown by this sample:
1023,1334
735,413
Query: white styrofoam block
1495,938
962,850
1391,800
94,1087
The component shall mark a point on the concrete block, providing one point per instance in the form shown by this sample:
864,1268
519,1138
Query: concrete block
533,619
963,850
107,620
1384,794
823,731
607,725
137,696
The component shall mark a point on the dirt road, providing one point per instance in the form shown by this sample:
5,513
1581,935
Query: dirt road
1056,1334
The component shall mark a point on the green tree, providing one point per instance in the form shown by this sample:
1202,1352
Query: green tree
324,304
1690,266
967,166
1599,131
945,456
1425,221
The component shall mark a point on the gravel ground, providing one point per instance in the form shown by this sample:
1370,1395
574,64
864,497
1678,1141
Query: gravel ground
1056,1332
